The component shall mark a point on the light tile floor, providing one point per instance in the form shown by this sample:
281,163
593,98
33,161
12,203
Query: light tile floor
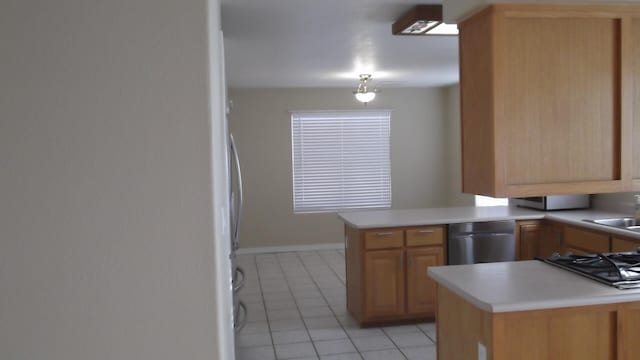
297,310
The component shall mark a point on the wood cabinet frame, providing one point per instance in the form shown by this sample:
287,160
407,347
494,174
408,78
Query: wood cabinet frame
538,238
578,240
488,150
406,304
575,333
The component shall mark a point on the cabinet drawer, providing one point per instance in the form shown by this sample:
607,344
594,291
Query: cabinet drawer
383,239
433,235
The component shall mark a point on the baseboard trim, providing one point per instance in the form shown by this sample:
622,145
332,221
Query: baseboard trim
290,248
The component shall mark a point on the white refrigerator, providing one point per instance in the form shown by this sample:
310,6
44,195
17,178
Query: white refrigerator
228,184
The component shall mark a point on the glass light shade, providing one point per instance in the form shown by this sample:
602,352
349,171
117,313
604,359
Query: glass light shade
420,26
443,29
365,97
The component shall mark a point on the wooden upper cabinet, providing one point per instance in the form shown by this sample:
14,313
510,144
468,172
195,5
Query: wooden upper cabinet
547,99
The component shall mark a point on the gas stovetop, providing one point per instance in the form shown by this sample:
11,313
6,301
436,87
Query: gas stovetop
621,270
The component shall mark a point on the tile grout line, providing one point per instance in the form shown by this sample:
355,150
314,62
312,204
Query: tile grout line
297,307
323,261
385,332
333,270
329,306
264,304
381,328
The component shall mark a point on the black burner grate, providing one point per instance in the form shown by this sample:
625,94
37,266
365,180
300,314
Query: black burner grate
621,270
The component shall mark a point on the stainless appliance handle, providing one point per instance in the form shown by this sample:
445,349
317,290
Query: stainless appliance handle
238,210
239,323
383,234
238,284
480,234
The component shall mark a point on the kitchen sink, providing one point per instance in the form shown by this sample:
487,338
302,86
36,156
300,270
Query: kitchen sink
628,223
633,228
617,222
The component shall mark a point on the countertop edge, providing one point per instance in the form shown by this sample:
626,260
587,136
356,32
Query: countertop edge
399,222
445,221
558,216
444,277
458,291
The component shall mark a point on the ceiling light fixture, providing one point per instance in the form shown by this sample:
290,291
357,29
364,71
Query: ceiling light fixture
423,20
363,93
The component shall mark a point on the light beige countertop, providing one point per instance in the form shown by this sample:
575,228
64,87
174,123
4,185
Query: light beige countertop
525,285
576,217
451,215
434,216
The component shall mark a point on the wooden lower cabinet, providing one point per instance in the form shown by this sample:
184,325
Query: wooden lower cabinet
528,235
421,289
551,239
544,238
628,330
620,244
387,273
596,332
583,241
384,283
538,238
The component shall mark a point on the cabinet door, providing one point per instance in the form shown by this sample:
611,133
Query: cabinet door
551,239
628,330
384,283
529,239
552,91
531,78
421,289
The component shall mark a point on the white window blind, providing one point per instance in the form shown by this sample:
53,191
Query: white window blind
341,160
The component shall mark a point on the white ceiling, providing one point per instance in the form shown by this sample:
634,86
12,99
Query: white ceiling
328,43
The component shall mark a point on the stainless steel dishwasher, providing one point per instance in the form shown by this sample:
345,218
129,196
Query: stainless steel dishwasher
481,242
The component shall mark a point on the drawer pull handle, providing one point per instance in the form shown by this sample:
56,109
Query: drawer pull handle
381,234
425,231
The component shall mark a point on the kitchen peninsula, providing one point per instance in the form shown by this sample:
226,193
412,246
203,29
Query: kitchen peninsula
532,310
388,252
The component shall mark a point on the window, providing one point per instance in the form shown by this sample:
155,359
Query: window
341,160
490,201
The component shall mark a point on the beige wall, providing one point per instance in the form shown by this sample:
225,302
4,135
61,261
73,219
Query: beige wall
260,121
617,202
106,245
456,197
